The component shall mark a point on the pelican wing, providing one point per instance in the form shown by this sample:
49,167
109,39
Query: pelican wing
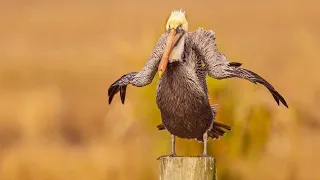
219,67
142,78
121,85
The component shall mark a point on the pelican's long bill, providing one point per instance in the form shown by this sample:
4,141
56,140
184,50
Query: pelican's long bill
172,40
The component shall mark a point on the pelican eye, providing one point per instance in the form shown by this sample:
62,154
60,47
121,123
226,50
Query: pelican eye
169,28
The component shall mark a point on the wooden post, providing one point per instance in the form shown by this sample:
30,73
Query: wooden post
187,168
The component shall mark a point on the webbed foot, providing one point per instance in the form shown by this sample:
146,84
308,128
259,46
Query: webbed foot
170,155
203,155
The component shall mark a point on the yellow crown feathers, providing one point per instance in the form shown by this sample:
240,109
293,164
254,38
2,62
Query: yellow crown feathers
177,18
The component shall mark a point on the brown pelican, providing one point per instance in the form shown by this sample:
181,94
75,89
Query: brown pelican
183,60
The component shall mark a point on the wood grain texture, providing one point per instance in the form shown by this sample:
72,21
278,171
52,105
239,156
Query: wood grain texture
187,168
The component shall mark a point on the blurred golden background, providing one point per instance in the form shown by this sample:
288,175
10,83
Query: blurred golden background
58,59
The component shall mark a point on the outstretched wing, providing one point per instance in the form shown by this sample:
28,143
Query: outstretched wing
142,78
219,67
255,78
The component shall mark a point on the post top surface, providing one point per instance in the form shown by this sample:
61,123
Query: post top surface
187,157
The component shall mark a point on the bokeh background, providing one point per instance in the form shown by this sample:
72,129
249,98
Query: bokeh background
58,59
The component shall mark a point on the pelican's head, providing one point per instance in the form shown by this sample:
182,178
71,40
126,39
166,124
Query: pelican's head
176,26
177,20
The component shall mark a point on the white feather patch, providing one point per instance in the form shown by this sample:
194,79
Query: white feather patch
177,51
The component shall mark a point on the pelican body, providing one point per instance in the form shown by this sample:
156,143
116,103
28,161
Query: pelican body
183,60
182,95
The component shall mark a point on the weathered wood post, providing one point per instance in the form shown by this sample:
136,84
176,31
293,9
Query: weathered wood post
187,168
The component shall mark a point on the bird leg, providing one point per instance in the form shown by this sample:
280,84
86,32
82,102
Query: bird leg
173,148
173,145
205,141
